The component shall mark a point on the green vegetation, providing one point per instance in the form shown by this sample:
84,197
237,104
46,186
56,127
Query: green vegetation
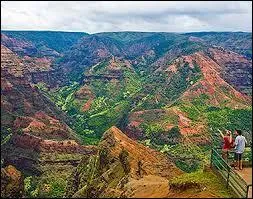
53,187
218,117
202,180
110,105
158,136
102,121
30,188
52,181
5,135
99,68
163,88
188,156
187,165
232,119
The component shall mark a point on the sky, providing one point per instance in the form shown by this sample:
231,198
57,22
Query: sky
112,16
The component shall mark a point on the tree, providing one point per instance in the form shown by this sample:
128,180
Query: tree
174,135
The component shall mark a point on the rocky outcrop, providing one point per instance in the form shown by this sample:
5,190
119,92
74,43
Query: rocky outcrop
135,119
11,64
12,183
42,125
88,78
17,93
28,141
108,70
32,70
118,169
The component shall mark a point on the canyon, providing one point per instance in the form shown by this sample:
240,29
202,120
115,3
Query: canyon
120,114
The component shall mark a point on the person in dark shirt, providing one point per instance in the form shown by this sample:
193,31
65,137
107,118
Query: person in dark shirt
227,143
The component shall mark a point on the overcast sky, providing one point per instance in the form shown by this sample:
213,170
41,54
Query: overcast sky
92,17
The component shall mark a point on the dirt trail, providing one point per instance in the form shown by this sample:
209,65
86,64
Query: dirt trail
148,187
246,174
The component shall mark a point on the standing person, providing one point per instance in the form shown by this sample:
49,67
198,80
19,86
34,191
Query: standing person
240,142
227,143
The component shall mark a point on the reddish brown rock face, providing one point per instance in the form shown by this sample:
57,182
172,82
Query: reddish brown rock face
87,105
26,48
136,170
17,45
115,141
37,64
85,93
42,125
16,90
6,85
212,82
235,69
38,127
11,64
27,69
28,141
134,131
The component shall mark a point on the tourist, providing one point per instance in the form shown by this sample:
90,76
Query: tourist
240,142
227,143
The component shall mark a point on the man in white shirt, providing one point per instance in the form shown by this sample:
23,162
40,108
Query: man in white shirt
240,142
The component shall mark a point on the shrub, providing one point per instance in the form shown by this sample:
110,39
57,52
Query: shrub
188,165
174,132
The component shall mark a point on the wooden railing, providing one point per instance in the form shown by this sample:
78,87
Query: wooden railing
233,179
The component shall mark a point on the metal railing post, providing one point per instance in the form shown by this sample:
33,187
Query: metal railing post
211,162
247,192
228,169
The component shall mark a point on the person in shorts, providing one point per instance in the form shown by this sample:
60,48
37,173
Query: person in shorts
227,143
240,142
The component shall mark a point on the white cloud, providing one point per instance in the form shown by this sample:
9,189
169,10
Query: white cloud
177,16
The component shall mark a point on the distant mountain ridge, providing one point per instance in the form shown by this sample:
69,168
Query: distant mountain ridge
41,41
240,42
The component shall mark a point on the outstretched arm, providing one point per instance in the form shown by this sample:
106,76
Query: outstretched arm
221,133
230,137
